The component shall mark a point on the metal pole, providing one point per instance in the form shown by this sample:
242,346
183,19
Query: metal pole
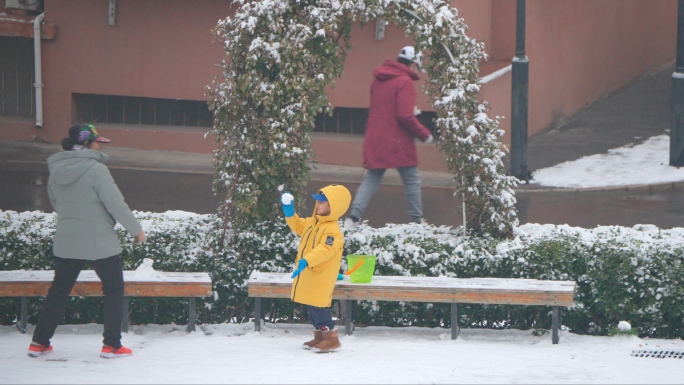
677,103
348,326
463,201
519,98
555,324
124,319
22,315
454,321
257,314
191,314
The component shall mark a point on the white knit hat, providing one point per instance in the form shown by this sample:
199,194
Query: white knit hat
409,53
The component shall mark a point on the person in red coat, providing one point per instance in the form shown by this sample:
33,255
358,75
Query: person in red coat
390,131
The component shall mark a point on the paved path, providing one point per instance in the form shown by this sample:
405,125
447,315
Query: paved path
161,180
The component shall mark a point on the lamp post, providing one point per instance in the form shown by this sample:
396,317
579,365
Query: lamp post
677,129
519,98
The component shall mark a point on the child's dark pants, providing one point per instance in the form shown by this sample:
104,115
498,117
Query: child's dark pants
320,318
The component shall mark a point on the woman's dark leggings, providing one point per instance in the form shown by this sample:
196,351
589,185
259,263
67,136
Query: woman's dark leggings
66,272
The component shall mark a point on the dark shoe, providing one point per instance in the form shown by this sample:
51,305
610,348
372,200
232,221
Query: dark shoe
330,342
318,338
420,221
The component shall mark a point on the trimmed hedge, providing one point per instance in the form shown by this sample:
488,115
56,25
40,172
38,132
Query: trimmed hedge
632,274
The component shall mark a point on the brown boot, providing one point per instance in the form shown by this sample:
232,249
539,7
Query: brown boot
330,342
318,338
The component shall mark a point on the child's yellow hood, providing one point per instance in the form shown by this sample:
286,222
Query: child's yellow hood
338,197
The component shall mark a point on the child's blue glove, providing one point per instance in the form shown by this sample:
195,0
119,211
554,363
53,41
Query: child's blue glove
300,267
340,277
287,201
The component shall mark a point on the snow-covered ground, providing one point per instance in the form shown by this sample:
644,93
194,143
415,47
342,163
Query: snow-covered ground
646,163
234,353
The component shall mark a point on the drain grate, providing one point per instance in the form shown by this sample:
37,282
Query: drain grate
658,353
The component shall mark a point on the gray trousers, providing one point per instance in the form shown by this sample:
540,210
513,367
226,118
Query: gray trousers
371,181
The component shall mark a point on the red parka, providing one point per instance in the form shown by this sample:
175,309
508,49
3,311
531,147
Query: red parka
392,125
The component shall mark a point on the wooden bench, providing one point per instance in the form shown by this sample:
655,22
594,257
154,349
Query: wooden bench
24,284
502,291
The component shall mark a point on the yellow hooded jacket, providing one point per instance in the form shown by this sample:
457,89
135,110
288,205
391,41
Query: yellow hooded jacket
321,243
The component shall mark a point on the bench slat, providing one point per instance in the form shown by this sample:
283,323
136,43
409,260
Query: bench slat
430,289
20,283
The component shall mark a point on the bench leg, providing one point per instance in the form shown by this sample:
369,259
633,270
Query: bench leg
124,319
348,325
23,308
191,314
257,314
555,324
455,330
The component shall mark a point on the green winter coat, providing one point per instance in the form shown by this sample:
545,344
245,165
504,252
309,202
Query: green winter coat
88,205
321,244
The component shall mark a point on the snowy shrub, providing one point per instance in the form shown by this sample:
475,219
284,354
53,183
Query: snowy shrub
279,57
633,275
26,240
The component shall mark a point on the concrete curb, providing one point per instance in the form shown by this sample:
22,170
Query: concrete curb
632,187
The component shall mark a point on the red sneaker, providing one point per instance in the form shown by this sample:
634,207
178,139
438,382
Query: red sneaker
110,352
37,350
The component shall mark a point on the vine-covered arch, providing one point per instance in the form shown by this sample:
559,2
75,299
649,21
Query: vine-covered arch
280,55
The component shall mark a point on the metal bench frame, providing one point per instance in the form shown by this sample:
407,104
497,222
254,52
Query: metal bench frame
25,284
502,291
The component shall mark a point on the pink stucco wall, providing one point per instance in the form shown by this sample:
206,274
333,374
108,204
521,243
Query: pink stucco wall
157,48
582,50
353,88
579,51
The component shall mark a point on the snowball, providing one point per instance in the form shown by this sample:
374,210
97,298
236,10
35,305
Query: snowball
146,265
624,326
287,198
145,271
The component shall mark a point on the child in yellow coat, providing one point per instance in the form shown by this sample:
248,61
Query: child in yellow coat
318,260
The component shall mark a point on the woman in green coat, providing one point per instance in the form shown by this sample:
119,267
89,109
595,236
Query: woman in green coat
88,205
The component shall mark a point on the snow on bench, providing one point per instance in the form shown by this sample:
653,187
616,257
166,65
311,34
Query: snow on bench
501,291
138,283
